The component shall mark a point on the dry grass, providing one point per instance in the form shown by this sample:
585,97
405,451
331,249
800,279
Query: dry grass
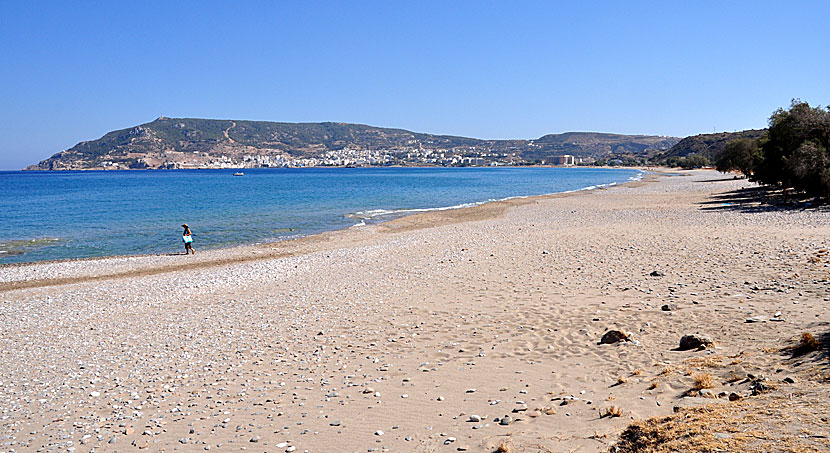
750,425
702,381
597,435
547,410
687,430
621,380
613,411
667,370
819,373
712,361
653,385
637,372
808,343
504,447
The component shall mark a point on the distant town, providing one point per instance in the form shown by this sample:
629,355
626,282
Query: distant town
351,158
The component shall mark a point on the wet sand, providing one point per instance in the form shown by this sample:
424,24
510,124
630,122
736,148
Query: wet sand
442,331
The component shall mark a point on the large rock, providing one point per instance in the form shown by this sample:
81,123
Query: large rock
694,342
614,336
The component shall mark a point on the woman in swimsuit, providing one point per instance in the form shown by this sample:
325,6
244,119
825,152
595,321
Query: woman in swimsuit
188,240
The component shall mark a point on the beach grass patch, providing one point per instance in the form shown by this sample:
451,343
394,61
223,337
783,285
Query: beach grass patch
712,361
702,381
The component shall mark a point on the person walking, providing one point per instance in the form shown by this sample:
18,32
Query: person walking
187,238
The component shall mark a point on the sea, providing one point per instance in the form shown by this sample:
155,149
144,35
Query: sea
81,214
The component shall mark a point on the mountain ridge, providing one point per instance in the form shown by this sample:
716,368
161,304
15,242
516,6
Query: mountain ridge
212,143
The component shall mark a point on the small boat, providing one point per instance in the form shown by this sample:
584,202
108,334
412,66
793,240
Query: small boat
239,173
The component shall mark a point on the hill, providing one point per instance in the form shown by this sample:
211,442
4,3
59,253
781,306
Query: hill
207,143
708,145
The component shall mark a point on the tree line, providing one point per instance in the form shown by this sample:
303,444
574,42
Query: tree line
687,162
792,154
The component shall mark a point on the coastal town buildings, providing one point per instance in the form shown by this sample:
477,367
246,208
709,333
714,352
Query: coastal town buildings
566,159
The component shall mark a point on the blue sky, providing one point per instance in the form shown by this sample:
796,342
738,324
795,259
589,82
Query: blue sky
72,71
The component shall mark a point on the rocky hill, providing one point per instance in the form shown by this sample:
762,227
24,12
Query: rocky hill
205,143
708,145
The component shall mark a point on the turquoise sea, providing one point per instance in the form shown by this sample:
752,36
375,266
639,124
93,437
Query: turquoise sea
59,215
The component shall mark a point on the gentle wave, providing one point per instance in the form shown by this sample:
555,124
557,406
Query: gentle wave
19,247
374,214
28,242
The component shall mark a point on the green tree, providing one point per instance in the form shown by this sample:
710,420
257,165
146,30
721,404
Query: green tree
809,170
694,161
738,154
794,152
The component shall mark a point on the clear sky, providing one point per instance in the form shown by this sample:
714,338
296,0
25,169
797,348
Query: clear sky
72,71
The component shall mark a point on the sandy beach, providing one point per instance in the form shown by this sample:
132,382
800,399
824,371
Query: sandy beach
475,329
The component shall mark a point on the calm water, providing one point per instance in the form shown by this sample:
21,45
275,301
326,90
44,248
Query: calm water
45,216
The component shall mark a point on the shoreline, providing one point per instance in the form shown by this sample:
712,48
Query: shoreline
246,249
461,330
393,214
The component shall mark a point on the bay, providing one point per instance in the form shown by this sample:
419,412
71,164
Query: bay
61,215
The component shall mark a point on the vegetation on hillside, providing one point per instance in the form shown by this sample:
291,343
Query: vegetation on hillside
707,145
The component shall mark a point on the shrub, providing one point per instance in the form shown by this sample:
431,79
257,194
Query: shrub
807,344
702,381
612,411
